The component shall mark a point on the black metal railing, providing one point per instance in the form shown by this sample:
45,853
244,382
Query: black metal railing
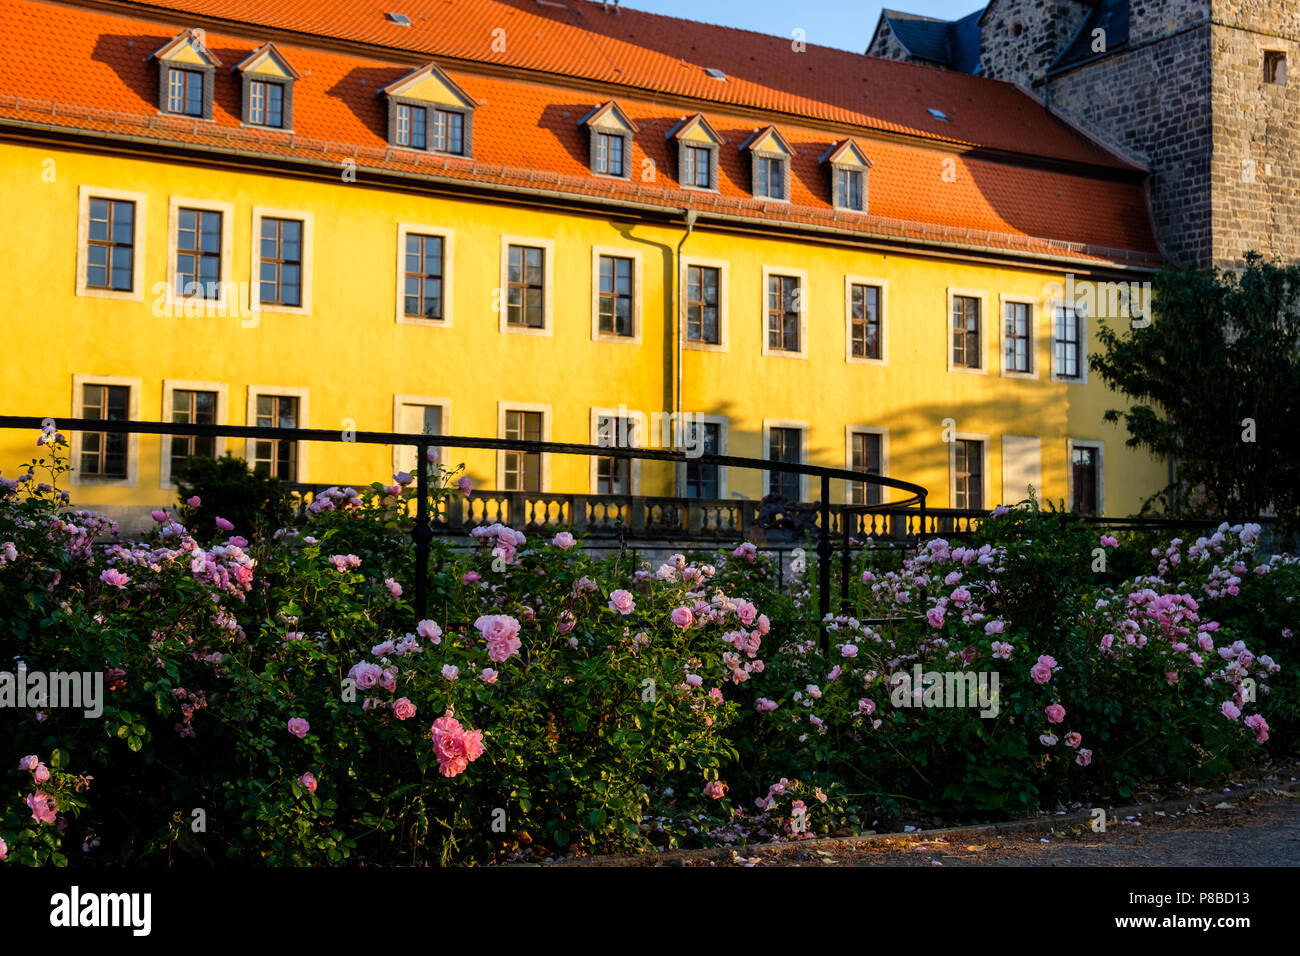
422,532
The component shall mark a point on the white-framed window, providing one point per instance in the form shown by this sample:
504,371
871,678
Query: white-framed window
968,471
616,428
190,403
1019,339
866,449
966,331
785,312
698,164
1069,344
850,188
281,263
1086,473
704,303
772,177
424,274
866,335
419,415
105,458
708,435
199,253
609,153
527,282
276,406
520,470
785,441
616,295
110,243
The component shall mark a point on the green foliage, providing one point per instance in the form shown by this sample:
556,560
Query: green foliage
253,502
1215,385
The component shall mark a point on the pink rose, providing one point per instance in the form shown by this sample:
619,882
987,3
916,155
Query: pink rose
471,577
564,540
159,516
1047,740
394,588
403,478
298,727
40,773
403,708
682,617
994,627
430,631
1230,710
224,525
935,616
763,705
114,578
29,762
308,782
1055,713
1083,758
4,849
501,633
1073,739
43,806
450,671
622,602
715,789
194,501
466,486
489,676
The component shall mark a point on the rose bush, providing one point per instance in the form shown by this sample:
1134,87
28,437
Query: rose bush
275,701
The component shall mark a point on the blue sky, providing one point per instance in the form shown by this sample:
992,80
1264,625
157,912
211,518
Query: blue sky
839,23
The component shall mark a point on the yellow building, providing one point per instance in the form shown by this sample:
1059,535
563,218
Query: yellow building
525,220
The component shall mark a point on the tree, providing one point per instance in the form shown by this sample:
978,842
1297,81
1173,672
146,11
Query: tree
1214,380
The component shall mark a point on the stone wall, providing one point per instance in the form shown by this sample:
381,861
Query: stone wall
1021,38
1152,104
1256,182
885,44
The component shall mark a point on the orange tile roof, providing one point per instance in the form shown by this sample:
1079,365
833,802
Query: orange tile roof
73,67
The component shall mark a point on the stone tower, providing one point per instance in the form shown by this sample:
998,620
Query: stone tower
1196,90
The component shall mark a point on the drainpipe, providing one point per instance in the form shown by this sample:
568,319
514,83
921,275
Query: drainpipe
690,215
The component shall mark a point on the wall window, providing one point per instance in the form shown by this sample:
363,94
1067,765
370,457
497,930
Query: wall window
526,295
281,266
968,474
412,126
104,454
276,457
185,91
448,132
702,284
609,154
614,476
615,304
199,236
866,454
697,166
1087,483
966,332
704,480
110,245
784,307
192,407
1275,67
785,444
848,188
414,416
1018,337
864,321
422,278
522,471
1067,345
266,103
769,177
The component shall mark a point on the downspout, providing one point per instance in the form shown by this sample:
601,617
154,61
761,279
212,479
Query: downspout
691,215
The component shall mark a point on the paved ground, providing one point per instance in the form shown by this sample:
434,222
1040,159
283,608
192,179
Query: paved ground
1260,830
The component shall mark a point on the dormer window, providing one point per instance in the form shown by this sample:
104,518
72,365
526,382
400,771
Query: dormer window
697,152
770,163
428,111
185,71
848,166
267,88
610,131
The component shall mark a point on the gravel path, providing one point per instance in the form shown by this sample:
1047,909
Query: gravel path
1259,830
